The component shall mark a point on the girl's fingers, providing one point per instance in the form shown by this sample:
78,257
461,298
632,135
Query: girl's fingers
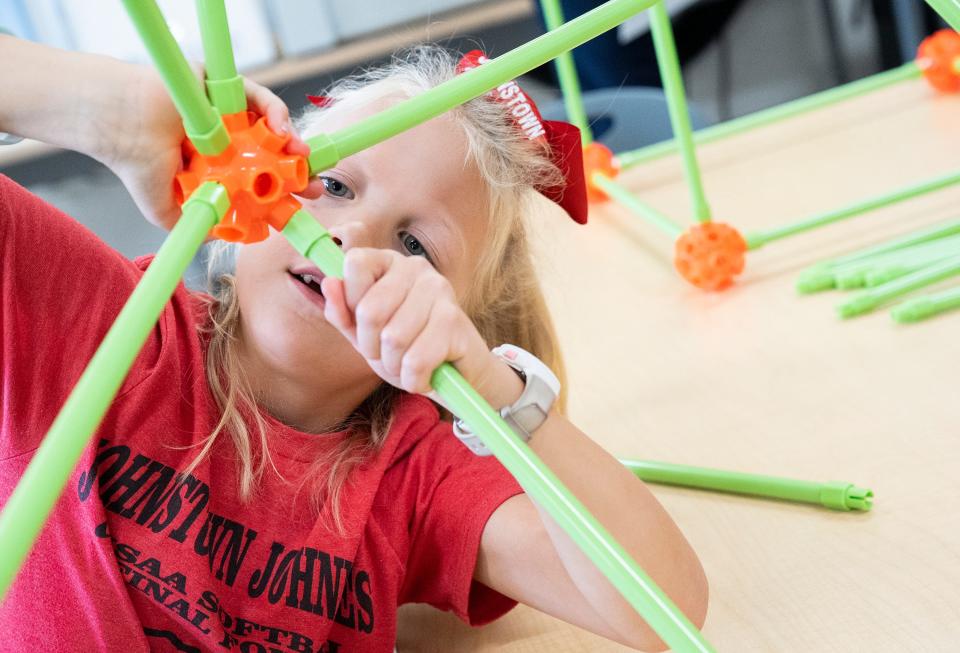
296,145
313,190
335,307
378,306
362,267
400,314
264,102
408,321
435,345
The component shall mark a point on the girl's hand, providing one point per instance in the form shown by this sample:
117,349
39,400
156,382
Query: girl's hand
403,317
116,112
141,141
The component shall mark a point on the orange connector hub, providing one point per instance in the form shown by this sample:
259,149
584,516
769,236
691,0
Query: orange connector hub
258,175
938,57
598,158
710,254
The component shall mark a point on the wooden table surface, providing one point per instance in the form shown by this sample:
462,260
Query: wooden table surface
759,379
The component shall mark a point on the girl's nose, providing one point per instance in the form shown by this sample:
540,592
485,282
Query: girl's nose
351,234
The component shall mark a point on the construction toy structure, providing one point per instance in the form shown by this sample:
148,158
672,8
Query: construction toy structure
238,185
710,255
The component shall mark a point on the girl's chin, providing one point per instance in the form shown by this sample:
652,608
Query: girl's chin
296,343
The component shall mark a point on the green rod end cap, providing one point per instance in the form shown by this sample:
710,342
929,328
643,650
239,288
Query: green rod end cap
838,495
303,231
312,240
850,280
212,142
227,95
815,281
856,306
323,153
212,194
914,310
879,277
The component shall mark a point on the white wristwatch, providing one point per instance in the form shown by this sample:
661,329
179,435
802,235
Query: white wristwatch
540,390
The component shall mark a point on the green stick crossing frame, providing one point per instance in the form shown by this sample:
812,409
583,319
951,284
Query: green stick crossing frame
567,74
328,149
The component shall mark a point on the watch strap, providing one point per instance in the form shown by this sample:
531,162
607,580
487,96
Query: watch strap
530,410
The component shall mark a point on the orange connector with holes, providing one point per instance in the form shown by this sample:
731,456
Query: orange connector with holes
598,158
258,175
710,254
939,58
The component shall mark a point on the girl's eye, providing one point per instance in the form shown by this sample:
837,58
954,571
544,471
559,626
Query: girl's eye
413,246
336,188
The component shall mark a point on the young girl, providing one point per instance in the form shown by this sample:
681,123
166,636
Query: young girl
270,476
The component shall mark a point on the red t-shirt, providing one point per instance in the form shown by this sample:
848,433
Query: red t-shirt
136,558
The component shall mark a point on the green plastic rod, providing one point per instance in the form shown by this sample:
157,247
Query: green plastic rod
758,239
915,243
920,308
224,85
837,495
909,261
857,274
854,274
328,149
868,300
774,114
35,495
201,122
313,241
672,78
630,201
949,10
919,252
939,233
821,276
886,274
567,74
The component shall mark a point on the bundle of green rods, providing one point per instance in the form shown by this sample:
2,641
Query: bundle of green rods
889,272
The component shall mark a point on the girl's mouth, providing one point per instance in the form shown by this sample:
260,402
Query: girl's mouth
309,285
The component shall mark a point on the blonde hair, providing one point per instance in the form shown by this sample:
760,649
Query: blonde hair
505,301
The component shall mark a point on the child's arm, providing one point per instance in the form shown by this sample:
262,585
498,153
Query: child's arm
525,555
115,112
404,319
